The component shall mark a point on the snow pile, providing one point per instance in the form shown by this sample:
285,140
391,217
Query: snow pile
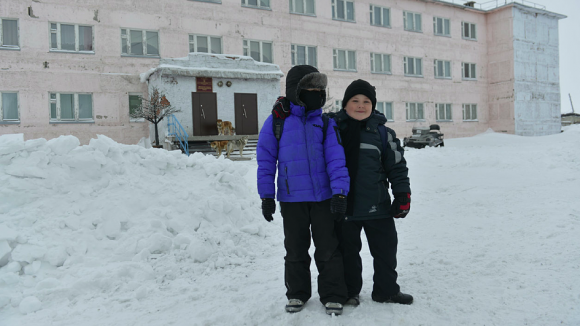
83,222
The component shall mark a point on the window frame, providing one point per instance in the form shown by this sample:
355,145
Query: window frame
9,47
292,4
405,66
471,70
415,15
9,121
384,110
416,108
347,56
372,13
58,108
258,6
58,35
436,69
472,108
248,49
334,5
209,37
472,29
293,49
383,56
447,114
435,25
129,98
127,36
337,105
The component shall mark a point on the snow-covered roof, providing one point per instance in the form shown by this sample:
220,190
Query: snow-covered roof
216,66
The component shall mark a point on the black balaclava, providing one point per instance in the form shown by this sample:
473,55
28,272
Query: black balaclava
312,99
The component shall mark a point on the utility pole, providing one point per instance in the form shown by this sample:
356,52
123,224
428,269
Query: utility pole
571,102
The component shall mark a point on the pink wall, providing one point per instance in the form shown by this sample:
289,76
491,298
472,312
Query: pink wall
110,77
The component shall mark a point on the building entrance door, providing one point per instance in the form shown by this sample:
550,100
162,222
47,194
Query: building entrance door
204,110
246,107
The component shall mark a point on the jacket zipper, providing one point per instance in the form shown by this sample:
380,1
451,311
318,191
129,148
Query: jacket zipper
287,187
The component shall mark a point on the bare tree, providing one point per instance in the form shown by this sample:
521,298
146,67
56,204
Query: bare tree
154,109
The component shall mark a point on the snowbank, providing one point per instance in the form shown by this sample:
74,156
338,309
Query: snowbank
88,221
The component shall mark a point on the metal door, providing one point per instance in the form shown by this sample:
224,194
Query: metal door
246,107
204,110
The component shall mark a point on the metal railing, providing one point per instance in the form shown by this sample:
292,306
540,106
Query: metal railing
498,3
175,129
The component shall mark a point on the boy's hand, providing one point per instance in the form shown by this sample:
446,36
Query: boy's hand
401,205
268,208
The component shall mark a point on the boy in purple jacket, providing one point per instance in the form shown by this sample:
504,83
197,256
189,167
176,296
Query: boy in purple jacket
313,183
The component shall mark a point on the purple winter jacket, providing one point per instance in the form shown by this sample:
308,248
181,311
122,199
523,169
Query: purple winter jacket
308,171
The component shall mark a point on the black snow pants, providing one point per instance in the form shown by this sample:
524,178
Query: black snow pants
299,219
382,239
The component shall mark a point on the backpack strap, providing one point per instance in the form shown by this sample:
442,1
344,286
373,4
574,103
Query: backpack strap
277,127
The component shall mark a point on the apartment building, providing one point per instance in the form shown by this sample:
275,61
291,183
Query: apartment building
74,67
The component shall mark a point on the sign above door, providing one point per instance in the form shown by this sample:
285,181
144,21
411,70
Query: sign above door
204,84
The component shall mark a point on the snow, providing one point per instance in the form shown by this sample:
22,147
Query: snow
112,234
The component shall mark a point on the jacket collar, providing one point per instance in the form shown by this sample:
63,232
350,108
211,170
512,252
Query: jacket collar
300,111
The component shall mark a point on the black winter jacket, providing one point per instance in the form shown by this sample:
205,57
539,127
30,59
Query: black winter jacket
372,199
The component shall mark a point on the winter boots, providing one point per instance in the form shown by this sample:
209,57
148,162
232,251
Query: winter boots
333,308
294,305
401,298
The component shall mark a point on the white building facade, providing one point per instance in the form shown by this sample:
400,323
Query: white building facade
73,68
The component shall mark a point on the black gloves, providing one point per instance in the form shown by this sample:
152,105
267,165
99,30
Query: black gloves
281,108
268,208
401,204
338,204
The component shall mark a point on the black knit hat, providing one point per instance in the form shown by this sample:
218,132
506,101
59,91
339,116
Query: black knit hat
360,86
304,77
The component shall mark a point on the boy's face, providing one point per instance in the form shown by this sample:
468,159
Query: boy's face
359,107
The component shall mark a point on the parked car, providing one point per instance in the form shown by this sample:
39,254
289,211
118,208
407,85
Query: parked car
425,136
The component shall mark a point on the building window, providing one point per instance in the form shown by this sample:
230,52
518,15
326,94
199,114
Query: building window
442,69
380,63
71,38
380,16
136,42
469,112
303,55
412,21
443,111
9,107
205,44
134,104
468,71
262,4
343,10
415,111
9,34
337,105
344,60
413,66
303,7
441,26
386,108
259,50
469,31
71,107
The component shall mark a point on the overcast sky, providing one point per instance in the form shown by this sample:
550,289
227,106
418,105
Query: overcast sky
569,29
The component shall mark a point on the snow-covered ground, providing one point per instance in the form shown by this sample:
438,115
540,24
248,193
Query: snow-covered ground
110,234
